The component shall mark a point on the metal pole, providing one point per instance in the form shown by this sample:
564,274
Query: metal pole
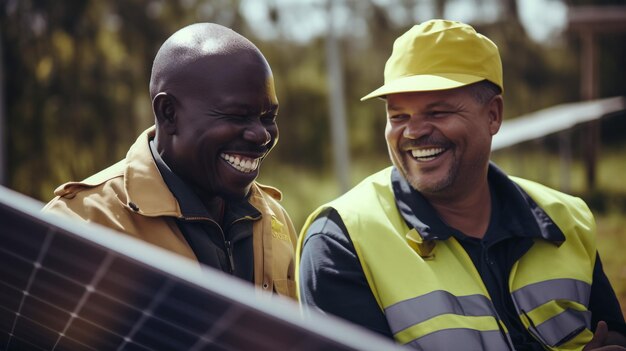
589,90
565,152
336,104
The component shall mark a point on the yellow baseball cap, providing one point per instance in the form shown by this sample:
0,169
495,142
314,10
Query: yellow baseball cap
438,55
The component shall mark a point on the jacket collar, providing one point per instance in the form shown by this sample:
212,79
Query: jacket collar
146,191
530,220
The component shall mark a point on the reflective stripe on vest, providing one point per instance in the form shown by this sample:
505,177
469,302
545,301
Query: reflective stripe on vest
455,313
461,339
532,296
539,299
402,314
561,328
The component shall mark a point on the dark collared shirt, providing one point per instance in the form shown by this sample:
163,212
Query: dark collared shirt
227,247
332,278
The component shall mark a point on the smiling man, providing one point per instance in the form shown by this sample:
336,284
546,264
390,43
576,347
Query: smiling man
188,183
443,251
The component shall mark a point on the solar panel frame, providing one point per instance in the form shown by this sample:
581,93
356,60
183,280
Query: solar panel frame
70,285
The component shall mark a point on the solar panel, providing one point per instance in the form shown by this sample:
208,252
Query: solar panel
68,285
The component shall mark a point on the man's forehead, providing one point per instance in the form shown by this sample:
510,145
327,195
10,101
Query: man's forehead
247,107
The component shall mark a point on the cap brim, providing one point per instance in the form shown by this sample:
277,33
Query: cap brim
425,82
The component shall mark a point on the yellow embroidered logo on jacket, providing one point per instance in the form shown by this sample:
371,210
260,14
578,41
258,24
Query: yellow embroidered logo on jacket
277,230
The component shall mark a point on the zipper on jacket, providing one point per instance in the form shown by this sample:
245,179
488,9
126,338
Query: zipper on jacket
227,243
229,252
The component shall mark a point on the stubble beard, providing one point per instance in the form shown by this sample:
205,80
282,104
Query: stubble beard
438,186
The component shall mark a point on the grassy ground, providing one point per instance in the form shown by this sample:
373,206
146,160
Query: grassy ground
304,190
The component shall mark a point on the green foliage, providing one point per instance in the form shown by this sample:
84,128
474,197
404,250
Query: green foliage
301,87
76,82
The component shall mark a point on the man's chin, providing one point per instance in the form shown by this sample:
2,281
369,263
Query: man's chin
430,185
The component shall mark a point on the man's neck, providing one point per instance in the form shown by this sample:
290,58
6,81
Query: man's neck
215,206
469,212
191,198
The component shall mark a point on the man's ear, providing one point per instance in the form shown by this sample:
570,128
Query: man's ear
165,112
495,109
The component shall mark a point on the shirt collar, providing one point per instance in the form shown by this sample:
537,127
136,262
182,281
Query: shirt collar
523,217
416,210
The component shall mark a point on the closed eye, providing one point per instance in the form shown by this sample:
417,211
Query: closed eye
398,117
237,118
439,114
226,115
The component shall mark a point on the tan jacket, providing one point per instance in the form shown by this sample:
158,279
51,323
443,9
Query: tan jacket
131,197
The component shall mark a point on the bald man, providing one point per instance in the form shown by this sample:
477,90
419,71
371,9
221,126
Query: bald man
188,183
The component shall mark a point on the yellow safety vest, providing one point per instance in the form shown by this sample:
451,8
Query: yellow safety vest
433,296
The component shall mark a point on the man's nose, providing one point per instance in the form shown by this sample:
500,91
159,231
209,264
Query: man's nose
416,127
257,134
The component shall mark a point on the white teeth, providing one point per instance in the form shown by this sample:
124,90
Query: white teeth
427,154
245,165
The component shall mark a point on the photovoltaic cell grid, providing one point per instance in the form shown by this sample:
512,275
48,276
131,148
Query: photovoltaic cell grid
60,291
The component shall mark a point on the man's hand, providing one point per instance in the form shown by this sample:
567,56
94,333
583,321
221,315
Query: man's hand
602,339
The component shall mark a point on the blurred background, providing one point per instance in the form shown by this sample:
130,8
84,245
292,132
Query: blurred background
74,90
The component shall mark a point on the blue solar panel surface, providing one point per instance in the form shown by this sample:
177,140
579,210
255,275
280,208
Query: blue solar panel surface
71,286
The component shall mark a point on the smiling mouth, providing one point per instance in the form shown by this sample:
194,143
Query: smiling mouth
427,154
241,163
